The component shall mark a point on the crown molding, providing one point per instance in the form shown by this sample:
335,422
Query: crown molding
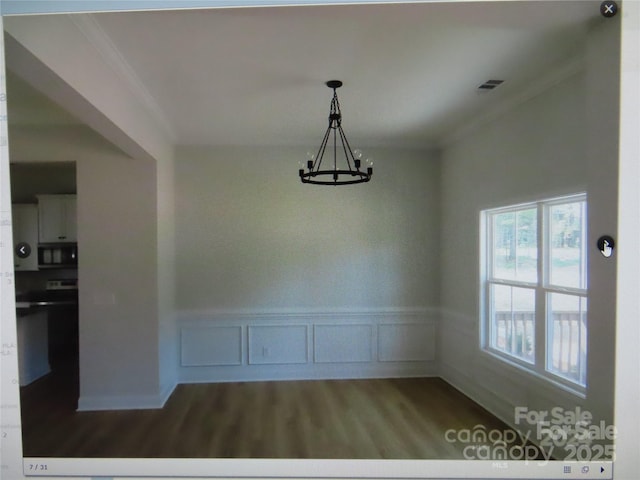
530,91
100,40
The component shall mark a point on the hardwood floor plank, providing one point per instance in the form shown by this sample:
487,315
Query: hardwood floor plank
404,418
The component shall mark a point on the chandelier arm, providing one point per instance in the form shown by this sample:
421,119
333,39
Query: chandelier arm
323,146
346,147
335,149
349,148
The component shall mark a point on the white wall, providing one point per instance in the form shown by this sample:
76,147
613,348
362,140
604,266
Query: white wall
117,272
73,71
562,141
127,325
165,231
603,135
286,280
252,237
128,345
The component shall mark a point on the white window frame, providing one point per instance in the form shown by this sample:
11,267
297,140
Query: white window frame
540,366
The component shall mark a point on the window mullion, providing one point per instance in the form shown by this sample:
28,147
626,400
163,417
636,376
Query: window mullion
487,247
512,283
541,301
583,247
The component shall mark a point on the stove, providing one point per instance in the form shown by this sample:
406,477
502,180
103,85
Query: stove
62,284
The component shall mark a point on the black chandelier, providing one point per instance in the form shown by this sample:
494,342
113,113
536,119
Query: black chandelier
345,172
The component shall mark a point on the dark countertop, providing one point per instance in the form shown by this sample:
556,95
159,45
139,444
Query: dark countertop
46,298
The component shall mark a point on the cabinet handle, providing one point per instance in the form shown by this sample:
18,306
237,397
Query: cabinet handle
61,238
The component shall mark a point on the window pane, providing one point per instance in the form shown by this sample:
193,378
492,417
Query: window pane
567,336
515,246
568,262
512,321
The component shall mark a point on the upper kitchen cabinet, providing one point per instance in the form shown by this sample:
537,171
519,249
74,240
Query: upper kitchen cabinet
25,236
57,219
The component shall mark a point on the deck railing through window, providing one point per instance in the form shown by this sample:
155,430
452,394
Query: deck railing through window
567,355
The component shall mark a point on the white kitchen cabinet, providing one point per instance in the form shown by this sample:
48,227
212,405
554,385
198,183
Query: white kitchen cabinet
57,219
33,347
25,236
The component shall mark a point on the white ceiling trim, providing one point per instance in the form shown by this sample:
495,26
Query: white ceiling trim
538,87
116,61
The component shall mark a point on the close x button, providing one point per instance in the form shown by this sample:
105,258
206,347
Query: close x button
608,8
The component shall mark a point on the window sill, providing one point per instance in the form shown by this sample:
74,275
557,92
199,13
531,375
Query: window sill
548,379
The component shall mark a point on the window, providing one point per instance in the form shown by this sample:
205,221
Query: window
534,286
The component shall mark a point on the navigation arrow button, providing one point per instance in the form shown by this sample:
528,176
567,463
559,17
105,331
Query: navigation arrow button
23,250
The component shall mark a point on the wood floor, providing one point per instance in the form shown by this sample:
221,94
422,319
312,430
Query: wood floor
359,419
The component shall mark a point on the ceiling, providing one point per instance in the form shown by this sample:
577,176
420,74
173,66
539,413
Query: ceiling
27,107
255,76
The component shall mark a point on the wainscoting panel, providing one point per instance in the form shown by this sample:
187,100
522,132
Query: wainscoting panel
406,342
255,346
342,343
490,382
211,345
278,344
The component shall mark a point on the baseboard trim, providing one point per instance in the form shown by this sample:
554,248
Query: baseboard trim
307,372
125,402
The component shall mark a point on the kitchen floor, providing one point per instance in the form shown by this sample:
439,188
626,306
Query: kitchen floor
378,418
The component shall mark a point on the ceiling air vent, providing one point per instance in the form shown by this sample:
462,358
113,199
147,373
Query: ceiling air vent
489,85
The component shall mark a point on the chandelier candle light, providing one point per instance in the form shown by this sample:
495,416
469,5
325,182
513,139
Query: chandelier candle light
345,172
